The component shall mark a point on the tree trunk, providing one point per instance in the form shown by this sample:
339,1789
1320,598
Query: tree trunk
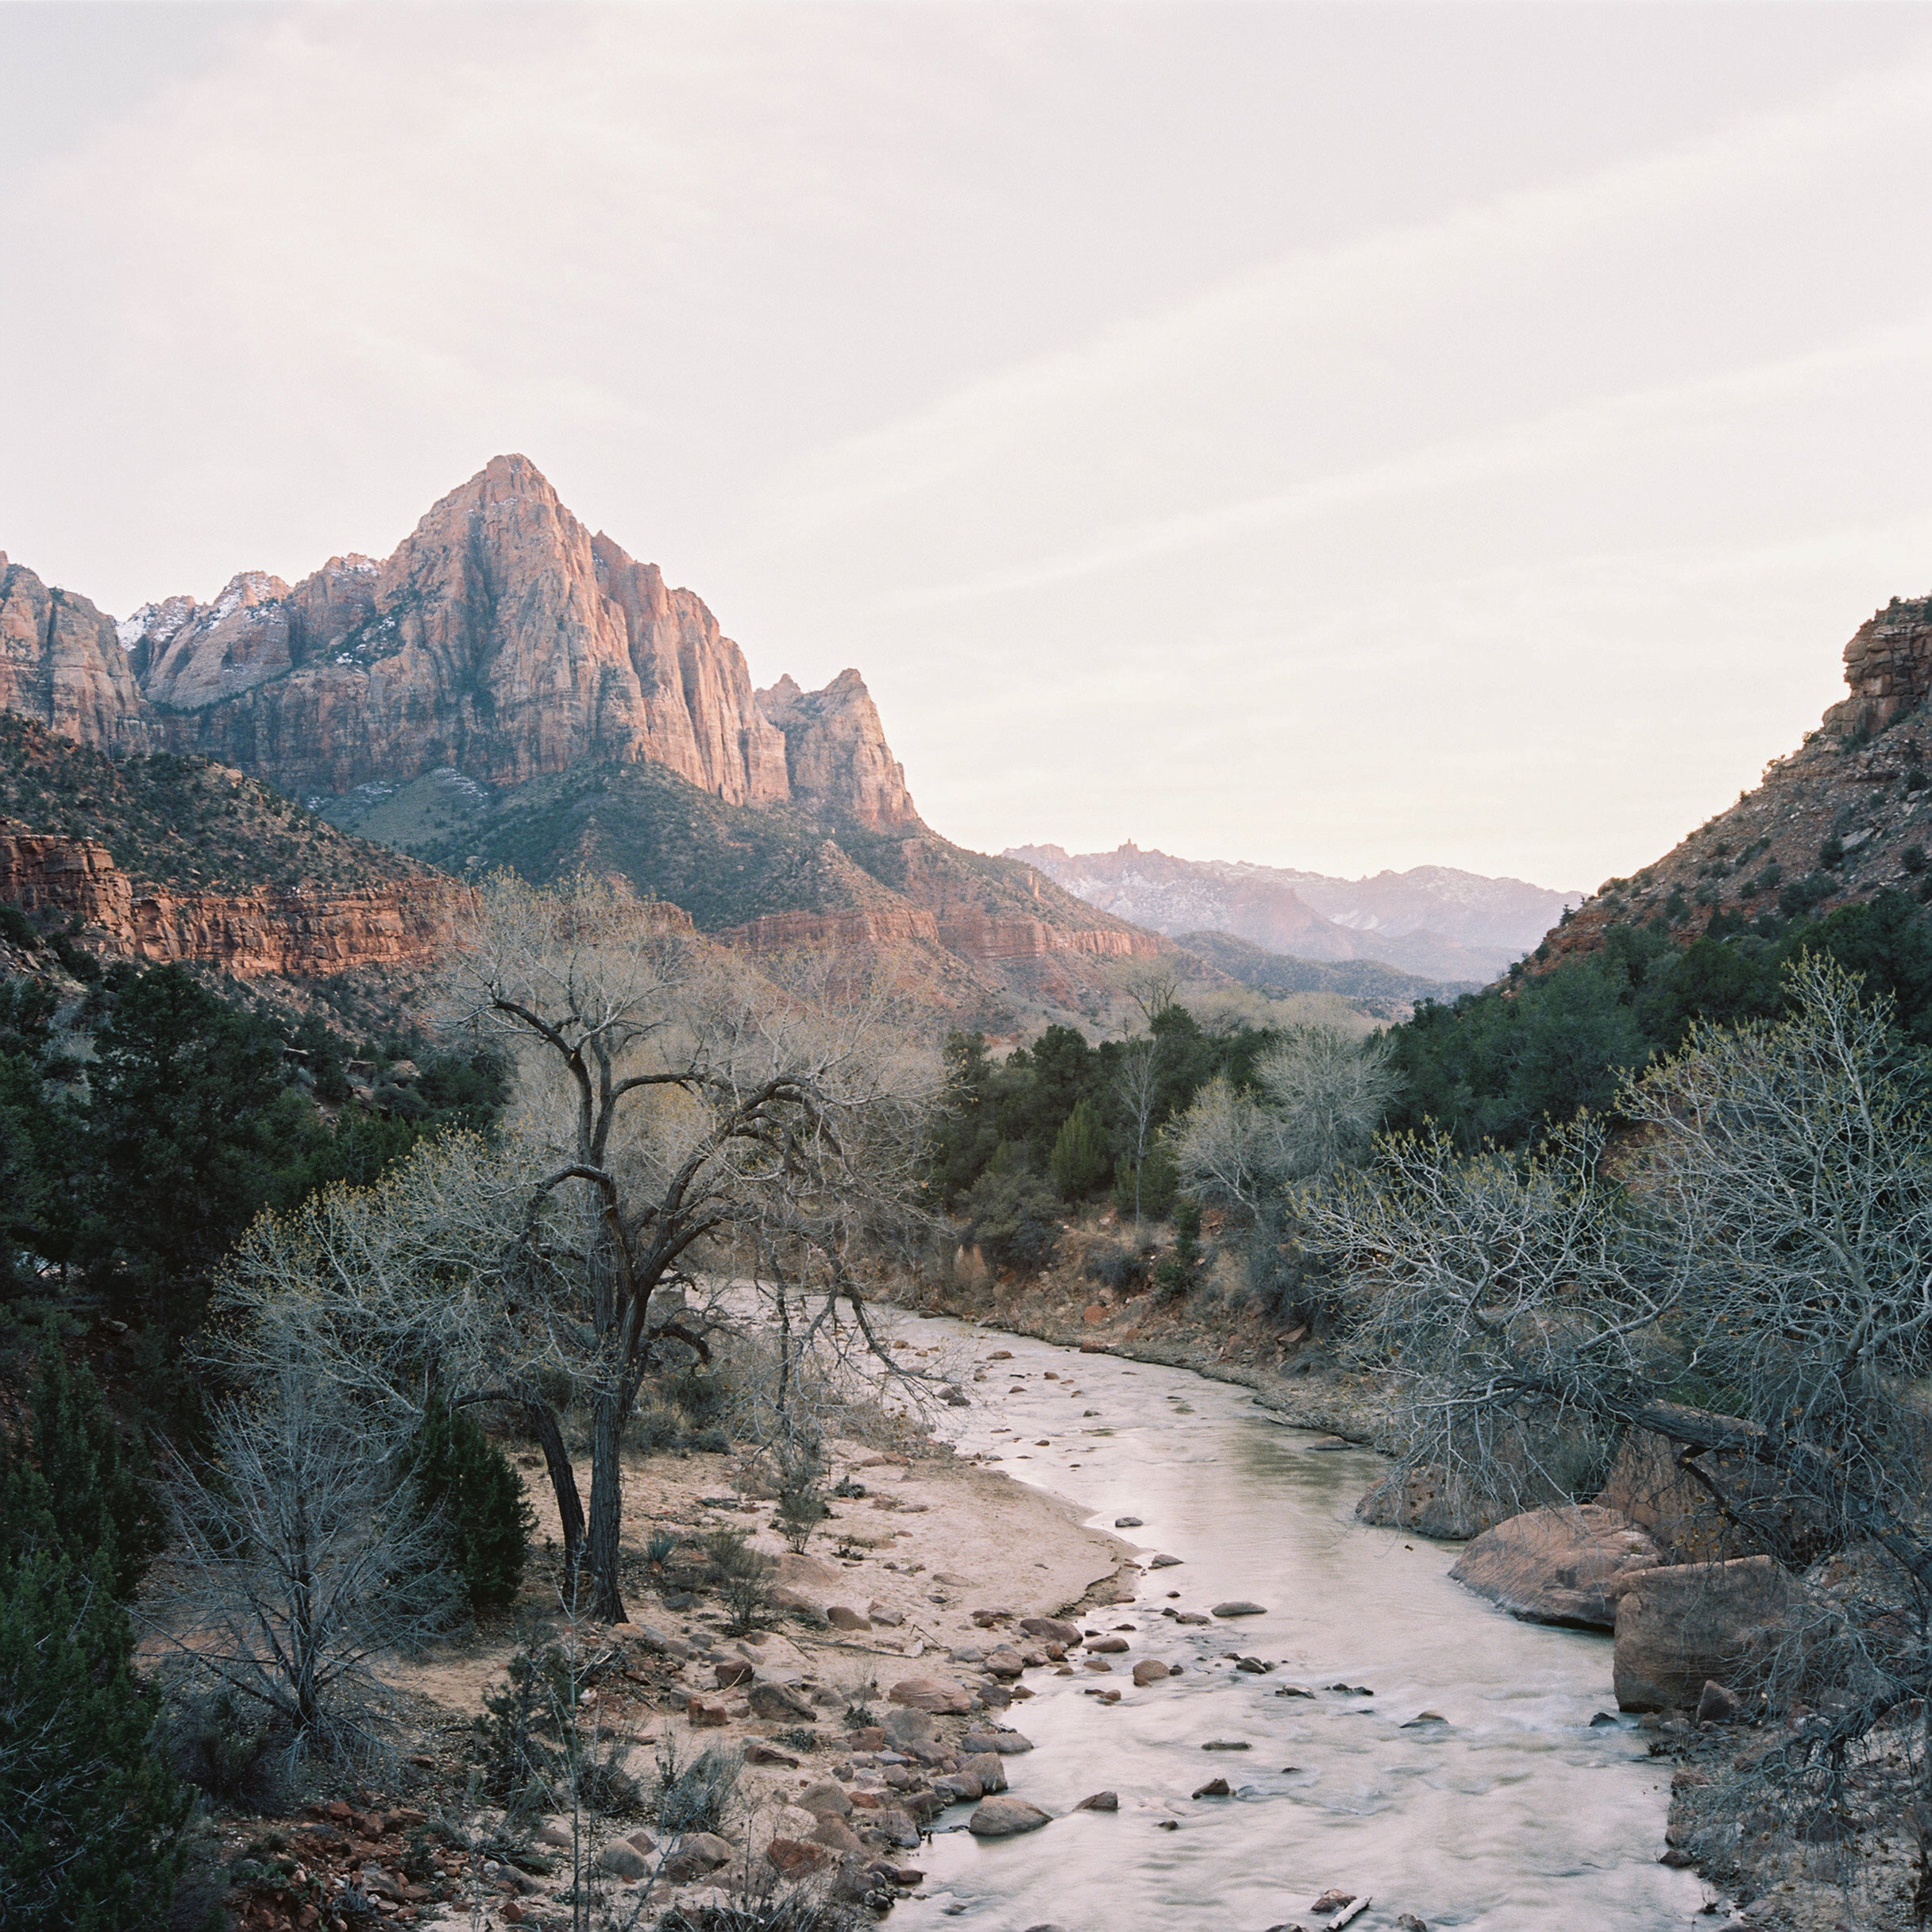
543,1420
607,1497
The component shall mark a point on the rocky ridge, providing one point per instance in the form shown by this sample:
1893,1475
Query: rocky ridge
1847,814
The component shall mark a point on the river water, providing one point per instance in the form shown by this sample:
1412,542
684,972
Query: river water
1512,1815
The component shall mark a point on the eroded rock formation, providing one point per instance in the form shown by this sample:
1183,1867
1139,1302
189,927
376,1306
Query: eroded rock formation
62,665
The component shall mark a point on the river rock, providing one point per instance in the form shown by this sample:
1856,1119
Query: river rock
909,1725
1149,1670
824,1798
1684,1624
1106,1646
1240,1606
701,1853
939,1694
1005,1817
793,1857
1101,1801
1560,1566
1162,1563
1052,1630
1007,1743
987,1767
959,1787
836,1835
1126,1522
1004,1661
843,1617
1428,1502
893,1827
1215,1787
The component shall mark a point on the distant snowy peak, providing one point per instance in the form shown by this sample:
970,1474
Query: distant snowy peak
1432,919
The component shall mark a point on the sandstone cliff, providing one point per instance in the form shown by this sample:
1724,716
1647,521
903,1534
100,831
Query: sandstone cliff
1849,812
61,665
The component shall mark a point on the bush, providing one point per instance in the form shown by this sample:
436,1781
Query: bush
468,1484
1013,1219
742,1576
1157,1179
90,1821
532,1755
226,1746
1119,1268
699,1796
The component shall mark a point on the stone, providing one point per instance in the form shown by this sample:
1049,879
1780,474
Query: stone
1408,1922
1224,1743
1568,1566
1684,1624
884,1614
704,1716
939,1695
1215,1787
1294,1690
1240,1606
734,1671
958,1788
697,1855
1052,1630
842,1617
824,1798
987,1767
1005,1744
1101,1801
758,1752
1005,1817
907,1726
1254,1667
891,1826
623,1861
794,1858
1149,1670
1106,1646
1716,1705
1126,1522
1162,1563
836,1835
1332,1901
778,1703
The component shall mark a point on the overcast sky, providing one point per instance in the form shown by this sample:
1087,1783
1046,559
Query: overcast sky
1339,436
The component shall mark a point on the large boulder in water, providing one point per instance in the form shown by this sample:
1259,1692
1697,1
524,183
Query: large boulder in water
1429,1502
1568,1566
1684,1625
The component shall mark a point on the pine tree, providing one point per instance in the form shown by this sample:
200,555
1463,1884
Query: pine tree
466,1480
1080,1163
91,1822
74,1487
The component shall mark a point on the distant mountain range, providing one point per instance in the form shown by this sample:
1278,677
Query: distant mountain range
1432,921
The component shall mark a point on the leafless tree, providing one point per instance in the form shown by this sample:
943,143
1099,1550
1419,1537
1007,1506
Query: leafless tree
1752,1285
1136,1092
299,1561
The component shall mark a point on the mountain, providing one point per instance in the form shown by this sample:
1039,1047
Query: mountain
1379,990
1846,814
508,687
1432,921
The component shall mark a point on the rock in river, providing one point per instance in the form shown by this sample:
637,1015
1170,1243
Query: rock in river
1561,1566
1005,1817
1240,1606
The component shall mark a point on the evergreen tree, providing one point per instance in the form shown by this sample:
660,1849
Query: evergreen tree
90,1822
465,1479
75,1491
1081,1163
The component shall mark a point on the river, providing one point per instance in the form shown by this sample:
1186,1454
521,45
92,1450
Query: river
1511,1814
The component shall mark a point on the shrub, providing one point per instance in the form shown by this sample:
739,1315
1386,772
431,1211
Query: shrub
1115,1267
91,1823
468,1484
1013,1219
16,927
699,1796
1913,858
742,1576
227,1746
519,1736
801,1498
1831,854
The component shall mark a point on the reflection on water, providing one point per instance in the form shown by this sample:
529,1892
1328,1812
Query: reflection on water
1511,1815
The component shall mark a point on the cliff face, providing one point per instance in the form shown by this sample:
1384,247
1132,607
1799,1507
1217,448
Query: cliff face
292,934
62,665
1847,814
837,760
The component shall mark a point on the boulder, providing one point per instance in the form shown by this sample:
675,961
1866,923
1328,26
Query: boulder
824,1799
836,1835
733,1670
623,1861
1684,1624
1567,1567
1101,1801
958,1788
1428,1502
1004,1661
1239,1607
1717,1705
1006,1744
793,1857
1005,1817
778,1703
989,1769
939,1695
884,1614
892,1827
842,1617
1149,1670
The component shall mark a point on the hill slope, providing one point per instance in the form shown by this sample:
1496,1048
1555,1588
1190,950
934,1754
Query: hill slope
1377,988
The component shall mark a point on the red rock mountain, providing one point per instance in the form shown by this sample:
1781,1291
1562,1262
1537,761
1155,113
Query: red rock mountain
1846,814
491,693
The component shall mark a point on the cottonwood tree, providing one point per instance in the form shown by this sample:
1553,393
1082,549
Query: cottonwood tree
1752,1286
680,1116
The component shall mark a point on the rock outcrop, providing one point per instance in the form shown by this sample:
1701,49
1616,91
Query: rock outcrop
62,665
1569,1566
292,934
837,760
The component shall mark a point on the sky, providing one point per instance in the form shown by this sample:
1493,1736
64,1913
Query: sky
1338,436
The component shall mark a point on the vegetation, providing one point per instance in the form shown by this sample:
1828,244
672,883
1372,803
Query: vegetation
466,1484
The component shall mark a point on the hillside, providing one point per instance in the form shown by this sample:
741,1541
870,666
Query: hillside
1433,920
1376,989
1847,814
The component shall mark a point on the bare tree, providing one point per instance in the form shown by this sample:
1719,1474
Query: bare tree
300,1560
1752,1287
1136,1092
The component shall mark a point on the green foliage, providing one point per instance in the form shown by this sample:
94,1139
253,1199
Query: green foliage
1013,1217
1506,1064
468,1484
91,1822
1174,1273
1151,1184
744,1577
698,1796
75,1489
1081,1163
520,1738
